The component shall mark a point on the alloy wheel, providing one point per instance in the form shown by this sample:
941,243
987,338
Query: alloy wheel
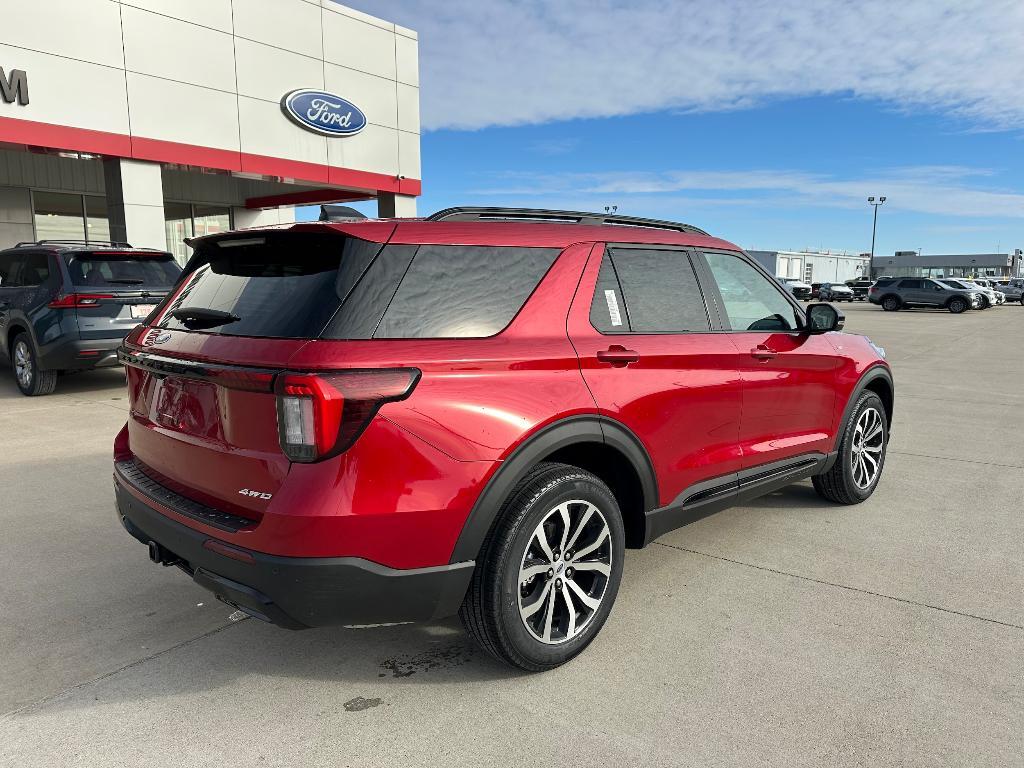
564,572
23,364
868,445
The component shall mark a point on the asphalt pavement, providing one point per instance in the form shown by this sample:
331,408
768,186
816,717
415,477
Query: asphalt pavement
789,632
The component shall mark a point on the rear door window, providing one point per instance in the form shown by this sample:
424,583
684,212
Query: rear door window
122,271
10,266
35,270
660,293
462,291
279,285
913,285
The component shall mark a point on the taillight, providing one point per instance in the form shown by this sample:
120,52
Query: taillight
76,300
322,414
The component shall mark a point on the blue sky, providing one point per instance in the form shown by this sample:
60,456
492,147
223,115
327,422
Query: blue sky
767,123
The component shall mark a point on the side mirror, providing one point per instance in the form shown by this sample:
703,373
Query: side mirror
822,318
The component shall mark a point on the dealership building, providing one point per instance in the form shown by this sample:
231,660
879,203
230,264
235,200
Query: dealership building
149,121
914,264
814,266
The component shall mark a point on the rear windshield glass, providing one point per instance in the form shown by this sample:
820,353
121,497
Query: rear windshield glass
285,285
100,270
308,285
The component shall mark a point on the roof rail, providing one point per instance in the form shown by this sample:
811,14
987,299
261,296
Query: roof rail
100,243
464,213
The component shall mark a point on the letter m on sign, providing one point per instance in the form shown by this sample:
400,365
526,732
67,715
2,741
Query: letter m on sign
14,87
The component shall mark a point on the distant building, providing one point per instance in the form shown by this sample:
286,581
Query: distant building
912,264
814,266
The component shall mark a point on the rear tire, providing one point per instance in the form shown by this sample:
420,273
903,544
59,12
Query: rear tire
957,305
30,380
858,468
570,592
890,303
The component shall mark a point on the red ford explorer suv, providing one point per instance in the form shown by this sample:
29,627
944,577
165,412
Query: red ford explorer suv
363,422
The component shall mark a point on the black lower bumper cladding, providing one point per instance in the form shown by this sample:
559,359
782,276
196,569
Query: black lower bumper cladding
296,592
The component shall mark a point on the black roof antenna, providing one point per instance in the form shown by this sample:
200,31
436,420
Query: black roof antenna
339,213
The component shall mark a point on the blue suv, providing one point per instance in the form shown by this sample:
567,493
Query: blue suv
67,305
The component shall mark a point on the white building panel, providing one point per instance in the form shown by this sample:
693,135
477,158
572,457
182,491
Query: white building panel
88,31
68,92
177,50
359,45
409,155
407,59
188,114
373,149
263,132
408,108
374,95
208,13
267,73
290,24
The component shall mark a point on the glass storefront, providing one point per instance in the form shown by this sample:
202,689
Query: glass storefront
62,216
186,220
97,225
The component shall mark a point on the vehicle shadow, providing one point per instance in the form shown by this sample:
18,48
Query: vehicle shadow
353,664
798,496
97,382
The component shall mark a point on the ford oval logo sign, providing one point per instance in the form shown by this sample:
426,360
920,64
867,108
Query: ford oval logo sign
323,112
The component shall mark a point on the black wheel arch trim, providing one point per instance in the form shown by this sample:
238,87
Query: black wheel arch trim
586,428
874,373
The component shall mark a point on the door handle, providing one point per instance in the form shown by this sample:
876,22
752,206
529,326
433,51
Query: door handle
763,352
618,356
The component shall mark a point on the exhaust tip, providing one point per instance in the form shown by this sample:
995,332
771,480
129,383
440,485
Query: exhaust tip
154,552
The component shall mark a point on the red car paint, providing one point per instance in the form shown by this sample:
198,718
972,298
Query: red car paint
702,406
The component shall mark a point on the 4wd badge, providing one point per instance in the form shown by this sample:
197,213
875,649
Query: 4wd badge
255,494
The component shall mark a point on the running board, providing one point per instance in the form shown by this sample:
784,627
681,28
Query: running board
705,498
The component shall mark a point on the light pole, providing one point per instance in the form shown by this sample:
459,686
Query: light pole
874,223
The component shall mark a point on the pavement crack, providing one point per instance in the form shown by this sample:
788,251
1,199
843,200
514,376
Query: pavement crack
953,458
862,591
78,686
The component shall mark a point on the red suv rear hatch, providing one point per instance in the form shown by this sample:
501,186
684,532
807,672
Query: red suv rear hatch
201,380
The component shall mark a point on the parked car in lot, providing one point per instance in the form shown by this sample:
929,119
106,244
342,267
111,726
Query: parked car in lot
907,292
990,288
835,292
989,297
369,422
1013,289
797,287
860,288
66,306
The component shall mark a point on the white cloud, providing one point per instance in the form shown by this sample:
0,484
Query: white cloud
508,62
948,191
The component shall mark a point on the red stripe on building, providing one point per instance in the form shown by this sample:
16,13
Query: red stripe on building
60,137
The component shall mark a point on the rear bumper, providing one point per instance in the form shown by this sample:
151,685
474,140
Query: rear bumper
297,592
78,354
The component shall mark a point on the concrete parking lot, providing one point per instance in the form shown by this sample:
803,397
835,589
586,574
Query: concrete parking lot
788,632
